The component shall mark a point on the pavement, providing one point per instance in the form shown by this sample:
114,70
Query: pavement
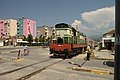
101,63
103,55
11,46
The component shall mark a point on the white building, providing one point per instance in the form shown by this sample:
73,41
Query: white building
11,27
108,40
45,31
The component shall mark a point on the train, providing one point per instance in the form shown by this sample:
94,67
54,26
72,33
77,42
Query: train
68,41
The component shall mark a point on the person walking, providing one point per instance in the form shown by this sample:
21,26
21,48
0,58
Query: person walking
88,50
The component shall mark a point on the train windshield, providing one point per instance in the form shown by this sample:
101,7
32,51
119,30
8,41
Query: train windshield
60,40
61,32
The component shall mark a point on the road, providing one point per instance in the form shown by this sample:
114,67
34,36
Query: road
50,68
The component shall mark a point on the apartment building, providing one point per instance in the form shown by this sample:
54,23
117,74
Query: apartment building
26,26
2,28
46,31
8,27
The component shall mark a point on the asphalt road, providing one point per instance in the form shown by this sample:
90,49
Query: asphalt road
58,71
62,71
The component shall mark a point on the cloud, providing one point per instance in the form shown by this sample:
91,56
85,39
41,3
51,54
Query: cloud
99,20
76,24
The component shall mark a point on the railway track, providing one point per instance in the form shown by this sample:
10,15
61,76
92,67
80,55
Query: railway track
28,71
38,71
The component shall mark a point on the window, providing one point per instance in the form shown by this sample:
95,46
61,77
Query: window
113,35
8,24
1,29
60,40
1,22
70,32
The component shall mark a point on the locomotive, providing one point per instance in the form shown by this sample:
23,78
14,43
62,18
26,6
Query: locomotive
68,41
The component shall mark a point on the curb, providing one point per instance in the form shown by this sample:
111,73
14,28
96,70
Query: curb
4,52
96,58
96,71
102,58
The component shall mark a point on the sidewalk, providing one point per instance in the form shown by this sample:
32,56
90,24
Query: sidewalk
103,55
100,55
102,63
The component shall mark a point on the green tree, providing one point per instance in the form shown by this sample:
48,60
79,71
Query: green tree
48,39
43,39
30,38
24,38
40,38
36,39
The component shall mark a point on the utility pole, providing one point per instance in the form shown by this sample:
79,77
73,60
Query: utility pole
117,41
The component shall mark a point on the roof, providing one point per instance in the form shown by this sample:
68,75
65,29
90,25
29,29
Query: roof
110,32
62,25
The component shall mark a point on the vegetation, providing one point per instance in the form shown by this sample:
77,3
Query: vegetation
36,39
24,38
30,38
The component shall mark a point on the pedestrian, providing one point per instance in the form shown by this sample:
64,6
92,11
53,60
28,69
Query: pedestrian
26,50
88,50
15,44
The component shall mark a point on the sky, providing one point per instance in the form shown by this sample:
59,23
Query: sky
92,17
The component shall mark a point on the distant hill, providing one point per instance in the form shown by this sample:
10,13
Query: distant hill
96,37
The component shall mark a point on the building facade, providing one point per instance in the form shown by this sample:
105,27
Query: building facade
26,26
2,32
8,27
108,40
11,28
46,31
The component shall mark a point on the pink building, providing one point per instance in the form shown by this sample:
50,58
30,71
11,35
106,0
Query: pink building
2,32
27,26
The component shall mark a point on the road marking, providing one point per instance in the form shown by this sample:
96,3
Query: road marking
17,60
96,71
100,72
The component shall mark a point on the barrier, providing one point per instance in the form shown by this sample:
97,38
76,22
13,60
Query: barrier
18,57
10,57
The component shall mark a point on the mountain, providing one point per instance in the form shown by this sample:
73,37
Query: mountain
96,37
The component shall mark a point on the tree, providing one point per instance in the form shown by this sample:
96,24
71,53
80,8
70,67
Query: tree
36,39
43,39
30,38
24,38
48,39
40,38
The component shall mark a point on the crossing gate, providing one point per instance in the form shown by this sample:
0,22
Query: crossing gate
10,56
